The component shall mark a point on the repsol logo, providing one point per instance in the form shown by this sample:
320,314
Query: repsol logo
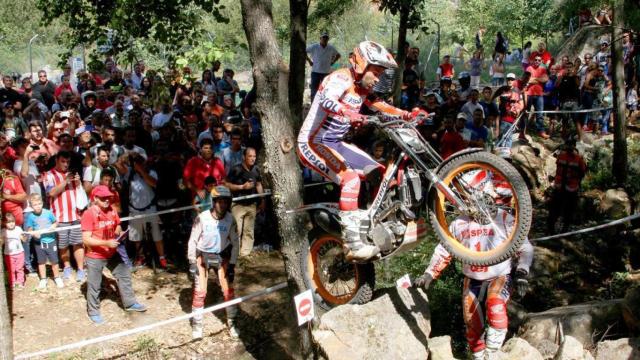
313,159
330,105
477,232
354,101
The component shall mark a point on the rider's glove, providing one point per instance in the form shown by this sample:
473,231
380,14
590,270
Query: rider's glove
355,118
423,281
522,284
231,273
193,270
415,113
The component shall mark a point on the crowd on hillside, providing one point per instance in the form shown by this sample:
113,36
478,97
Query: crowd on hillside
156,141
544,83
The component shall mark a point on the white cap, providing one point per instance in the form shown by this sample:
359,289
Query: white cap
511,76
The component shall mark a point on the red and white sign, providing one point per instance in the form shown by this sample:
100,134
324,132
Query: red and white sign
304,307
404,282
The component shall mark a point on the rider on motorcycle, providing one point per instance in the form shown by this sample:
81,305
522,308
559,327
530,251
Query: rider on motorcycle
213,244
486,289
334,110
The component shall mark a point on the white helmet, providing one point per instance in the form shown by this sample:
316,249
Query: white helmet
371,53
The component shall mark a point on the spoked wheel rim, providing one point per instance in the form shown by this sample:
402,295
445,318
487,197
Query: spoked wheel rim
333,278
486,206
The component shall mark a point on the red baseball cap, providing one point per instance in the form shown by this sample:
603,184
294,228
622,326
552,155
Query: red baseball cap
101,191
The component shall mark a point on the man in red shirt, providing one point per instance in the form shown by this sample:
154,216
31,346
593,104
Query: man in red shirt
535,93
100,228
201,166
452,140
543,54
446,68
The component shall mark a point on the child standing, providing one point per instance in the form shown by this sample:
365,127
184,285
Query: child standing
41,220
12,237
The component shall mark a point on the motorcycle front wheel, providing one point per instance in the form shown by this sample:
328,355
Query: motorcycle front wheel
333,280
497,209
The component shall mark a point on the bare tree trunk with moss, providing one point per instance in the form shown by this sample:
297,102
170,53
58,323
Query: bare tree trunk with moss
298,10
281,166
619,94
401,54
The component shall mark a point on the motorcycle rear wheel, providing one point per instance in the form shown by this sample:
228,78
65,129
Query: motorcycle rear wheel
443,212
333,280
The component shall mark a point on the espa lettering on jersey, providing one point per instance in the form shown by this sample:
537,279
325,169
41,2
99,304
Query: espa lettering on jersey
476,232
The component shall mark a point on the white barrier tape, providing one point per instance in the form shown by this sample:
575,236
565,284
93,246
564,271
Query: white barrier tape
109,337
581,111
589,229
157,213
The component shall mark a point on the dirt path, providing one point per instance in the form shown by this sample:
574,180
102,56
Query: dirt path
58,316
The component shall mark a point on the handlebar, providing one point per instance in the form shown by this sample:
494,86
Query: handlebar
393,120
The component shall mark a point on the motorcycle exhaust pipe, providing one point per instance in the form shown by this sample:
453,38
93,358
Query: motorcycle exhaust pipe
327,222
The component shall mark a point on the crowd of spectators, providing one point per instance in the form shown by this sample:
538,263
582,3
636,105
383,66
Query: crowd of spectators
544,83
157,141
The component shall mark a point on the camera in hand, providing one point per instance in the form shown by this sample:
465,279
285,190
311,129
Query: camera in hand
35,147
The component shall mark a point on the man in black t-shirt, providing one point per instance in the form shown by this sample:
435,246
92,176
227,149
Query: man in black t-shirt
244,179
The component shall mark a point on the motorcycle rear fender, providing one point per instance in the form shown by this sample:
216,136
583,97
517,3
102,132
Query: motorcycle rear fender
325,216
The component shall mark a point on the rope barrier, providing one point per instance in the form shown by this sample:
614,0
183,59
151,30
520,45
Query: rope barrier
581,111
109,337
157,213
589,229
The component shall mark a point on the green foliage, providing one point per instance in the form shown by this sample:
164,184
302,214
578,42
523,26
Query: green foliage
113,24
526,18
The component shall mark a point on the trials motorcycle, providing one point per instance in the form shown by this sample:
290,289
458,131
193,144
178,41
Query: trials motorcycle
417,186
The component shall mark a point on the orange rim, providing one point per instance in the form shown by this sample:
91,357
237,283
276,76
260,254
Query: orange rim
324,260
440,212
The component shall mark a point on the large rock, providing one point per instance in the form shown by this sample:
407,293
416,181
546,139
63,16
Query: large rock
572,349
393,326
585,40
579,321
631,309
440,348
533,161
516,348
627,349
615,204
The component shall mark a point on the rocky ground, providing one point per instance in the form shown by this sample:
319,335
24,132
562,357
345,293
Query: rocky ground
56,317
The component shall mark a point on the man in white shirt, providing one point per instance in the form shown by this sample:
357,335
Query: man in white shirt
322,57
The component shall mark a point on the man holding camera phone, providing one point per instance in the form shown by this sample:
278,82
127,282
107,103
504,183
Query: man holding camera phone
40,144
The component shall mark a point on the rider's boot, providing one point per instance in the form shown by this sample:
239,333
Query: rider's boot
354,247
479,355
197,324
494,339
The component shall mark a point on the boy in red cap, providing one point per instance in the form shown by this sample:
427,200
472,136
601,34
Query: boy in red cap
100,228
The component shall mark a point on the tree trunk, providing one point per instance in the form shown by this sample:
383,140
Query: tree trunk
6,335
620,126
298,10
272,104
401,55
